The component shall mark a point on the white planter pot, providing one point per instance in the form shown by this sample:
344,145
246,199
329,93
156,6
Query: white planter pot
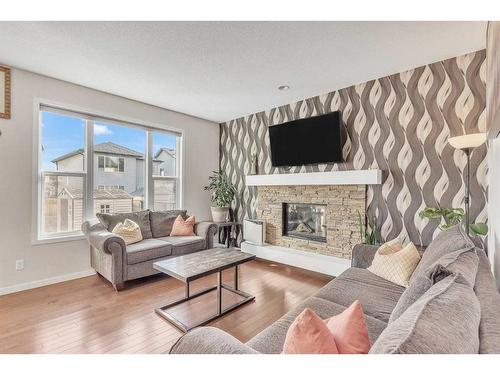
220,214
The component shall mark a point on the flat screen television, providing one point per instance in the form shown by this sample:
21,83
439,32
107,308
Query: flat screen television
311,140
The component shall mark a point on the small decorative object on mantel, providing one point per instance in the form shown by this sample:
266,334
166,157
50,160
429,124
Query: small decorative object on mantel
254,167
222,195
4,92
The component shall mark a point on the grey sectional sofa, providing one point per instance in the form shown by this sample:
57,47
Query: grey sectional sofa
461,310
117,262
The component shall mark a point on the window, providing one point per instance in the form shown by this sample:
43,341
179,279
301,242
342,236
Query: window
165,175
110,187
111,164
133,167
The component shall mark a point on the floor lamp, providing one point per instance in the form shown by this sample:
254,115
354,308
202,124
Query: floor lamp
466,143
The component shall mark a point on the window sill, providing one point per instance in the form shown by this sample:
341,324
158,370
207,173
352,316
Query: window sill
63,238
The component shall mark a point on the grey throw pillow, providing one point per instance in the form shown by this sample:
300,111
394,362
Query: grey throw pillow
448,241
163,221
421,284
463,262
140,217
444,320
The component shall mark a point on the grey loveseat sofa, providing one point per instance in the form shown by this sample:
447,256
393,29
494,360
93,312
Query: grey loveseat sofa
117,262
473,310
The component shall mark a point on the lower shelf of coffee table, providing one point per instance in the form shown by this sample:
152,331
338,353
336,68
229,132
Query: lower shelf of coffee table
201,307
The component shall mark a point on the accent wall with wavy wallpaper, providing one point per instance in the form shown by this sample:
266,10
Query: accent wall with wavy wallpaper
400,124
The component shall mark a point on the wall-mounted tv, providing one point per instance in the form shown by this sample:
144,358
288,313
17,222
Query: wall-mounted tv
311,140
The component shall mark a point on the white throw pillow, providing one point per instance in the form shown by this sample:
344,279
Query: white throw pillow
129,231
396,264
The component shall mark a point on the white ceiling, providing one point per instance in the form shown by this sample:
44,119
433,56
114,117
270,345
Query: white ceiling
224,70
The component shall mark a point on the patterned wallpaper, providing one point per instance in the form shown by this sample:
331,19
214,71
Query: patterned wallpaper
399,124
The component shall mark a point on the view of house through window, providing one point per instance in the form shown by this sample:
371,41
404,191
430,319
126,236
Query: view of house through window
164,171
119,170
119,152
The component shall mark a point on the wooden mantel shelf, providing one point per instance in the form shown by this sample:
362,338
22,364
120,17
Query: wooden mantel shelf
353,177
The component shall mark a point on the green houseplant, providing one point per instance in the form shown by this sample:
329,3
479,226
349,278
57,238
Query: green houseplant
222,195
369,231
452,216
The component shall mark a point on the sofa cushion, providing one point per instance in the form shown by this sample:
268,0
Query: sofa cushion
418,287
462,262
378,296
140,217
271,339
185,244
448,241
445,320
147,249
162,221
489,299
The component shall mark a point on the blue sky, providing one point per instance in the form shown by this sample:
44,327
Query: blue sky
63,134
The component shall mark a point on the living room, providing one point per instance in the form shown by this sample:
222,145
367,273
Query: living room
194,186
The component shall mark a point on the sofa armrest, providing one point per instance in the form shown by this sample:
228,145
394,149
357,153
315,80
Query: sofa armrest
207,230
362,255
100,238
210,340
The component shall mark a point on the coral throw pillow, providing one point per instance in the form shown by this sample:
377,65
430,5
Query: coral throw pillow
309,334
183,227
349,330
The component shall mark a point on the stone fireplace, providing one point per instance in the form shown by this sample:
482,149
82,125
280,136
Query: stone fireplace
321,219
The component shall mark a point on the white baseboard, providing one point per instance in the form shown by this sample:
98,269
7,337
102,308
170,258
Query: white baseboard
44,282
325,264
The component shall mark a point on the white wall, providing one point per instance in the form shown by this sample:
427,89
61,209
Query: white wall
16,144
493,207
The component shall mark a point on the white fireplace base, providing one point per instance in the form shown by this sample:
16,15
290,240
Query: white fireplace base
325,264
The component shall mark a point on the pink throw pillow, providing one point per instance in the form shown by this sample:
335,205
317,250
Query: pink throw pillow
349,330
183,227
309,334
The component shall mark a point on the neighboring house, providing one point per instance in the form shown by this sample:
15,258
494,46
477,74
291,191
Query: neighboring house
117,167
66,207
118,181
165,162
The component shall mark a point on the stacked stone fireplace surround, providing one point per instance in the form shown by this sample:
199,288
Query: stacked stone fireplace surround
343,202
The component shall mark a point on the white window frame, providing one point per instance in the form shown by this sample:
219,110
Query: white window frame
88,174
106,157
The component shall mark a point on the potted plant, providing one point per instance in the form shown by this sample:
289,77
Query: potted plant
452,216
222,195
369,232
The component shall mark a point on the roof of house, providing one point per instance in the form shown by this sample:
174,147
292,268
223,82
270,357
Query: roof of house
76,193
169,151
104,148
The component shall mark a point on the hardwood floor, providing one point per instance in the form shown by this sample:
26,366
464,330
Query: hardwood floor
88,316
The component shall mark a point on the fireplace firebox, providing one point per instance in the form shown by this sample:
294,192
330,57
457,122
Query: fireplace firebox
304,220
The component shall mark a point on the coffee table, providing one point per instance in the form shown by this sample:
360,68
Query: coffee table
190,267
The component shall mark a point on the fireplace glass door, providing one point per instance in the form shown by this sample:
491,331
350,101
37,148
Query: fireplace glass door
304,220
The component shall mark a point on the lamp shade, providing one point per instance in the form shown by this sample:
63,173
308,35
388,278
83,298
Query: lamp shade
467,141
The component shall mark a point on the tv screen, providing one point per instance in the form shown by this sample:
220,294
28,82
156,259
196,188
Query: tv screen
308,141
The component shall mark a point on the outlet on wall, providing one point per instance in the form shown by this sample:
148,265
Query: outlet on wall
19,264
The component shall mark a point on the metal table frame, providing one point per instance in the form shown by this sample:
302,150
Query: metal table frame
162,311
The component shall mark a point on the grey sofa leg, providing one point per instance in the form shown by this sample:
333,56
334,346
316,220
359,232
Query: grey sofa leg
119,286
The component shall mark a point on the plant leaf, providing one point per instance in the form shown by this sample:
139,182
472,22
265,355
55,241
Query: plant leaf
479,228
